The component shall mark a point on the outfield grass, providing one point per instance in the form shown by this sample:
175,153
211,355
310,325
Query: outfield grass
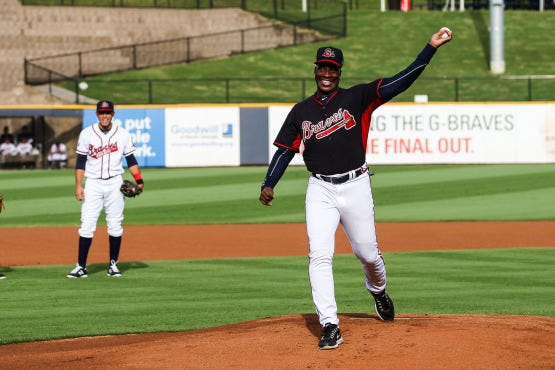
39,303
230,195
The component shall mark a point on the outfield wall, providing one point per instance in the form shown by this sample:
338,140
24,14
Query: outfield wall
407,133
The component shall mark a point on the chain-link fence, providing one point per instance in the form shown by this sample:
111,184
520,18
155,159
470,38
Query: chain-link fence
289,90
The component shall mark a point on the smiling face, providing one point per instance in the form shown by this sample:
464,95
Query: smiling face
327,77
105,119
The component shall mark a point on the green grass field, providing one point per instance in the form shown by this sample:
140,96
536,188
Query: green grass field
39,303
230,195
377,44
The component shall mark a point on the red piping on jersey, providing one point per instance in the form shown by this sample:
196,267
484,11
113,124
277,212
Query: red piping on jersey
295,147
317,100
367,117
110,157
378,88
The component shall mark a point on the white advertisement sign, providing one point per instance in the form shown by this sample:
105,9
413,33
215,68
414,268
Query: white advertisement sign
453,133
202,136
458,133
549,132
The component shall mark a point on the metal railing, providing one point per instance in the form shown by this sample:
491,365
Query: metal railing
82,64
287,90
332,21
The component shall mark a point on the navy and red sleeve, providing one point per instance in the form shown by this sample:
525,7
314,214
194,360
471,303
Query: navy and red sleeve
288,142
390,87
289,136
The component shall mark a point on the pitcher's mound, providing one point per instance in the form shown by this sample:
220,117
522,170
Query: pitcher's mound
290,342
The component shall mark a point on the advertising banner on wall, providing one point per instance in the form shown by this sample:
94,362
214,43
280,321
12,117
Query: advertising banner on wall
401,133
452,133
550,133
202,136
146,127
460,133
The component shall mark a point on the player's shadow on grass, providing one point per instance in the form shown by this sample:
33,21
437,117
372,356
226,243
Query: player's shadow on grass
123,267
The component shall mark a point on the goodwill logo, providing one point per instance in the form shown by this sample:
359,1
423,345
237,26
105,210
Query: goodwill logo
203,131
146,127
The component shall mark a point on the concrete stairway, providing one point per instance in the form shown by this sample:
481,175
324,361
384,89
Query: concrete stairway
37,31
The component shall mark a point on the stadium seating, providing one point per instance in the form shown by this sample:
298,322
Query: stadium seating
37,31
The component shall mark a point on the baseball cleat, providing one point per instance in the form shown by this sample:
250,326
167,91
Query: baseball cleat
331,338
77,272
113,270
2,276
384,306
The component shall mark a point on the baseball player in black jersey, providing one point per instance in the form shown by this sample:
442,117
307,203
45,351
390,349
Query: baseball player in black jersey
331,129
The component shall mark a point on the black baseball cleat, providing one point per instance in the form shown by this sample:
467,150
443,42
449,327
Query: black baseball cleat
2,276
331,338
384,306
77,272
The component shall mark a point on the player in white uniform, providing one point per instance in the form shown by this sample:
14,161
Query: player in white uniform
100,151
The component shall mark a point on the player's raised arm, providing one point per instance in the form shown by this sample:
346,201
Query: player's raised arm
393,86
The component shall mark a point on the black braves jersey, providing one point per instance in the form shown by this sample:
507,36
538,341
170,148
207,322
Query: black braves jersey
334,132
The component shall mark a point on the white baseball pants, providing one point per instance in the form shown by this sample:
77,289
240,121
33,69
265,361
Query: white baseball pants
352,205
102,194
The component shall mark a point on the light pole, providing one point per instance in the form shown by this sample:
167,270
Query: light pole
496,36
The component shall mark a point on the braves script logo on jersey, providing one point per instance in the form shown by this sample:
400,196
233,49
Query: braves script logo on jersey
327,127
102,150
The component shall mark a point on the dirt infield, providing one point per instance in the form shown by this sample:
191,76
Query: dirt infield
412,341
58,245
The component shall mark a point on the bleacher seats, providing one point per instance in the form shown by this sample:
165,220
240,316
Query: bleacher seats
37,31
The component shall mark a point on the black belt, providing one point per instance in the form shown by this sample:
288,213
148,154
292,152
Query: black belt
335,180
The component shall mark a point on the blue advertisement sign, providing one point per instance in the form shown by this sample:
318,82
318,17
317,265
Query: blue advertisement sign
147,128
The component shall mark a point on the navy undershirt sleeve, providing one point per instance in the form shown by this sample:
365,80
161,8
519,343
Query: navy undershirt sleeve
80,162
131,160
393,86
281,159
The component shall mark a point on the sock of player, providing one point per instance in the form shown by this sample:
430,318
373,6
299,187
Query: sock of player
115,244
84,246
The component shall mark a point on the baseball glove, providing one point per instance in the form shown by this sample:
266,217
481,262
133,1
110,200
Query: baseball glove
130,189
2,207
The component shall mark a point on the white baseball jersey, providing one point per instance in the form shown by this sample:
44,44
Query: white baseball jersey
104,150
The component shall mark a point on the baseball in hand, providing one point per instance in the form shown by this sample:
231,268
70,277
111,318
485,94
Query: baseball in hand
444,31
